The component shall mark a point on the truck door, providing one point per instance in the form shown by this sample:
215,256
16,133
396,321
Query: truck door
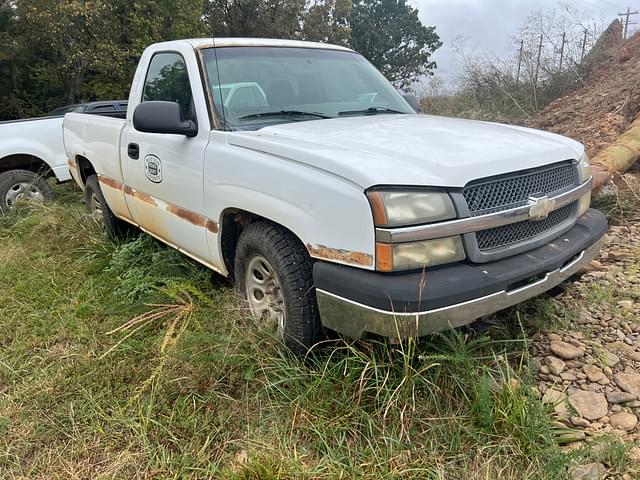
163,173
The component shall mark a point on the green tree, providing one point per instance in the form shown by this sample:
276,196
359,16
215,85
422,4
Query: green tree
327,21
10,104
136,26
255,18
64,40
390,34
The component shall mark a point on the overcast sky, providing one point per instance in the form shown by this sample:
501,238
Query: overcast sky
490,25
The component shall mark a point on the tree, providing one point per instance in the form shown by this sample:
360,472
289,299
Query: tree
64,40
390,34
255,18
327,21
136,26
10,105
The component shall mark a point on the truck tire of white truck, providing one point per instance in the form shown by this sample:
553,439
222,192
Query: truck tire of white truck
23,185
273,274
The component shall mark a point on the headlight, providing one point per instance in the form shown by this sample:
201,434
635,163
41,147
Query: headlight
584,172
393,208
398,208
408,256
584,168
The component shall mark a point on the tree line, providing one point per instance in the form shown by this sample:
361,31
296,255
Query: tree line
57,52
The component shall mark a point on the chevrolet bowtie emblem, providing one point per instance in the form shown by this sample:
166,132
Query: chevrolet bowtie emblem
540,207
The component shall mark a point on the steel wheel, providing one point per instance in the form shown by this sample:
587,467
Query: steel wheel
23,191
264,293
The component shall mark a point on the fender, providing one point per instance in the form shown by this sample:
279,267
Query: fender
41,139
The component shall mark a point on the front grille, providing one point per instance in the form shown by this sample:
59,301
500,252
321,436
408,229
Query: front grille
493,195
522,231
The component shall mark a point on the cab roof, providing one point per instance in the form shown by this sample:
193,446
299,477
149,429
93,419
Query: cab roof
258,42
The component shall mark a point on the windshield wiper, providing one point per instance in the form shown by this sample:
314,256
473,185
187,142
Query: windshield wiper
283,113
370,111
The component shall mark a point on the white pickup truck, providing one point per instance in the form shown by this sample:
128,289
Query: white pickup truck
31,151
327,199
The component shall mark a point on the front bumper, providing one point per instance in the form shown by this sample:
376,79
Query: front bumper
355,302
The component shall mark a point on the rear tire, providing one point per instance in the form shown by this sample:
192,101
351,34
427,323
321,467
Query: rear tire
99,210
17,185
273,273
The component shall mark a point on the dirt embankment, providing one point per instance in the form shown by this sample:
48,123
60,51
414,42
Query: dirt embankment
609,101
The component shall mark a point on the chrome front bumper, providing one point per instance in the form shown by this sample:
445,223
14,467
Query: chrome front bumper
355,319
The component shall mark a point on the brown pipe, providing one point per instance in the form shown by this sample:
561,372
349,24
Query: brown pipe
617,157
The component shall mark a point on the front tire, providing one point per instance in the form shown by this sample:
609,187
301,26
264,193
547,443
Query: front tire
273,273
99,210
18,185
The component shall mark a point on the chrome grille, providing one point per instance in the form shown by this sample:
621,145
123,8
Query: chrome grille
493,195
522,231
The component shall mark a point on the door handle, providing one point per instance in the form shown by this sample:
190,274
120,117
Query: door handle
133,150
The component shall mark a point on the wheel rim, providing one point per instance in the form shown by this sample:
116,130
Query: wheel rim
96,208
264,293
23,191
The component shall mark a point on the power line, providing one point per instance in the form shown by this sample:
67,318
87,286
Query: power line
626,21
609,3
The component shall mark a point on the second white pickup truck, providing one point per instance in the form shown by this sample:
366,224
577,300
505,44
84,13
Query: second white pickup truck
31,152
296,169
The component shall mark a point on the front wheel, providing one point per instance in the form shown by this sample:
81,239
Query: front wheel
273,273
22,185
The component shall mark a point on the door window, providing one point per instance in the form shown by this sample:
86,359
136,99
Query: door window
168,80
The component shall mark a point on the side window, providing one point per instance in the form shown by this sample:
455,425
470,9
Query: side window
168,80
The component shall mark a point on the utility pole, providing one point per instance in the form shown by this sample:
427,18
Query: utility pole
519,61
626,21
564,39
535,80
584,45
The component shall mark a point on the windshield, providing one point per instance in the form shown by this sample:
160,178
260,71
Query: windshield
259,86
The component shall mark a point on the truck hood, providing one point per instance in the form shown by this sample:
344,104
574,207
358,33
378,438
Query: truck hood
407,149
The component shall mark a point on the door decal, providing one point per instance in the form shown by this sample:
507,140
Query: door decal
153,168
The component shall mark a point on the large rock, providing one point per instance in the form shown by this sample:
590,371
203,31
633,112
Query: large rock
556,366
593,373
621,397
629,382
553,397
611,359
565,350
589,405
590,471
624,421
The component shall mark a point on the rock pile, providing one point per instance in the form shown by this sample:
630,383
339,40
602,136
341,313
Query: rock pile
590,374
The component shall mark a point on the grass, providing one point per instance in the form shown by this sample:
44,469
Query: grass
128,360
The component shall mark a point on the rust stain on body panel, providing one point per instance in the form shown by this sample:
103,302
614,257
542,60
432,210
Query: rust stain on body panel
110,182
345,256
187,215
212,226
142,196
191,217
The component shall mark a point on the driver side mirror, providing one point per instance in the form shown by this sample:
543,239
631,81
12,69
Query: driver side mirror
413,101
162,117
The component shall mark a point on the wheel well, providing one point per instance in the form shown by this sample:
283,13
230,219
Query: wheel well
85,168
25,162
234,221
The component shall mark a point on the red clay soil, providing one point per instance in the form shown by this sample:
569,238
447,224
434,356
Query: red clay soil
602,109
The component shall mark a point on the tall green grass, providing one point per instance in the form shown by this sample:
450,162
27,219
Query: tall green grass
128,360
